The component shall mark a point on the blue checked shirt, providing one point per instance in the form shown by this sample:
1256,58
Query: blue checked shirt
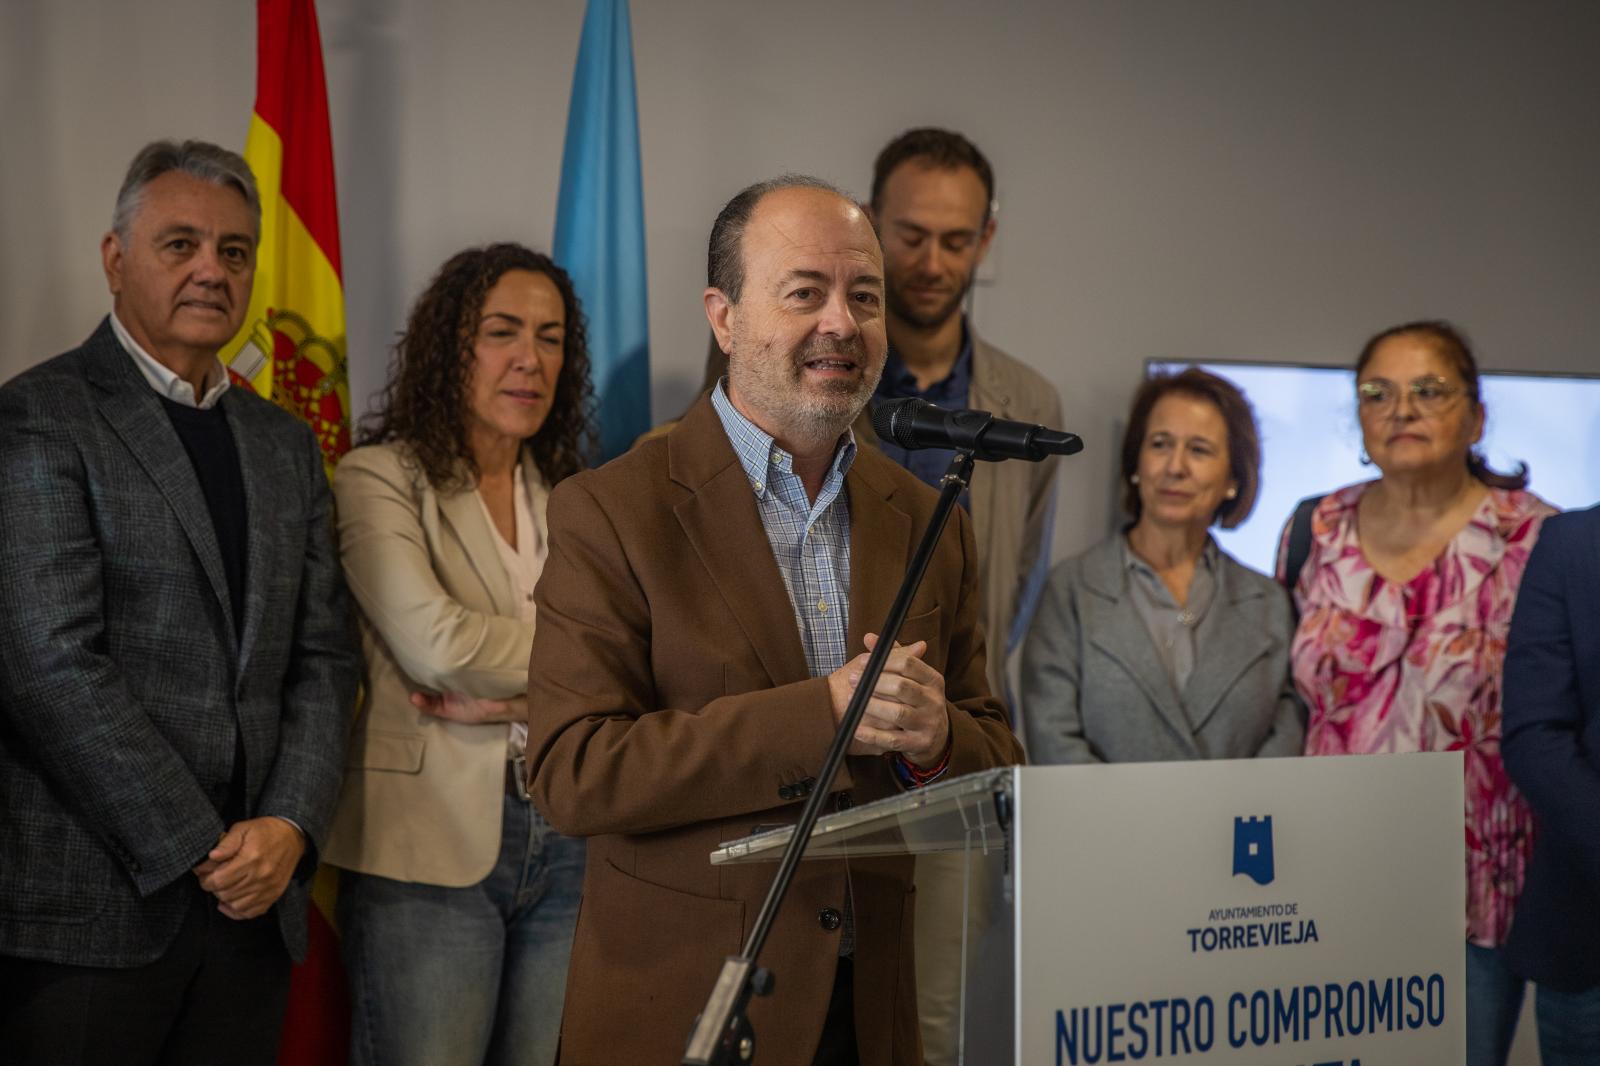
810,541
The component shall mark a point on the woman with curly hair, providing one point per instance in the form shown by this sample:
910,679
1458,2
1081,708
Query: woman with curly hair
458,901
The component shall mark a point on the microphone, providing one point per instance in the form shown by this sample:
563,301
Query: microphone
913,424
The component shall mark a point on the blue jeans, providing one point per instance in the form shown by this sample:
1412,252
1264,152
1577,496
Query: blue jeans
1569,1026
441,976
1494,1002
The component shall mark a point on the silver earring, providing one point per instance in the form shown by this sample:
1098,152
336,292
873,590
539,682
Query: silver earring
1133,479
1233,493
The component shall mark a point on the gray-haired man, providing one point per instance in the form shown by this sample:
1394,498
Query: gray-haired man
176,659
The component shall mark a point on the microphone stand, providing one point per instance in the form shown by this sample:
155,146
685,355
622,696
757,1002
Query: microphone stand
722,1035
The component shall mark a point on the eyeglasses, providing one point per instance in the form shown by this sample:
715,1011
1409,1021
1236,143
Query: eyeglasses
1430,394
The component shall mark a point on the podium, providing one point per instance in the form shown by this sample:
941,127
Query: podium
1272,911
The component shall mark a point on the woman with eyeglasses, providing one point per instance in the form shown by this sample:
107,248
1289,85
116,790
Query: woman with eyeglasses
1405,587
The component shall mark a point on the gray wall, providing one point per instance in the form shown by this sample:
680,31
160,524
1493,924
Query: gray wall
1257,180
1252,179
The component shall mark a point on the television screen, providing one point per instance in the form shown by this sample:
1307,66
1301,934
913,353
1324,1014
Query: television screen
1311,441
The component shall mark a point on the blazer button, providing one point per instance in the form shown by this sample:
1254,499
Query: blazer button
786,792
805,787
844,802
830,919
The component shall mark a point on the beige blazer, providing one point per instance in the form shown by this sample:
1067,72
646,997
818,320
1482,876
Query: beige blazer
1013,503
421,797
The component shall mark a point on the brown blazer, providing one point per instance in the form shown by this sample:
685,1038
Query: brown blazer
672,703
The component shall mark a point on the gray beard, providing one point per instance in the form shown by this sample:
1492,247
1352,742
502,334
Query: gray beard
816,424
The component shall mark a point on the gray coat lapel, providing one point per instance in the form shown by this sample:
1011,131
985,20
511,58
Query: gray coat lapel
260,507
134,412
1114,627
1232,645
272,547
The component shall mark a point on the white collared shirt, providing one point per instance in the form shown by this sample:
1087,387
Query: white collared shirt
163,380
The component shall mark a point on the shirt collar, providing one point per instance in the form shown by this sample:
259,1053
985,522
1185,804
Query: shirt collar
899,381
1131,560
163,380
757,451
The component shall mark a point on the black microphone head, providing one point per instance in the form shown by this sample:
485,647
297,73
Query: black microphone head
891,420
1057,442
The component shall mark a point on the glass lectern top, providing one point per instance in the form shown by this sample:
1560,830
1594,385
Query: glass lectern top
971,811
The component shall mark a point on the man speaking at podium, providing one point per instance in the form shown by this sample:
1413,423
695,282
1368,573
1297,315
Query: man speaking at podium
707,602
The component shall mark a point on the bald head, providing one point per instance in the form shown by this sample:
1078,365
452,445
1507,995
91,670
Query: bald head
725,263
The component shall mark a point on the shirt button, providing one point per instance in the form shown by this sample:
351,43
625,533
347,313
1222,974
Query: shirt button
830,919
760,487
822,606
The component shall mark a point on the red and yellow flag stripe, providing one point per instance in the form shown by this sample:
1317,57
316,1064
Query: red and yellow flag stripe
292,345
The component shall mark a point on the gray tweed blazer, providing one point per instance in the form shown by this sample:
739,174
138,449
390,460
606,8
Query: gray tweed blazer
122,683
1096,690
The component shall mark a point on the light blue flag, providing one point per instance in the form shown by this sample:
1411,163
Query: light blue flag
600,223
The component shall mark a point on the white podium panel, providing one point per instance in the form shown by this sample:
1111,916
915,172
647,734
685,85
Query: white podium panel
1280,912
1273,911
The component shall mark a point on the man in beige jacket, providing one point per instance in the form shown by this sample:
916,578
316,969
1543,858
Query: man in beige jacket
933,206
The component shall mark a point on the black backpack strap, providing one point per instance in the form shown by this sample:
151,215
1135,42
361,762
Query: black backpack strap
1299,542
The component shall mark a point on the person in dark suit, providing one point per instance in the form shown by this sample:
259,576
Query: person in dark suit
177,661
704,610
1551,748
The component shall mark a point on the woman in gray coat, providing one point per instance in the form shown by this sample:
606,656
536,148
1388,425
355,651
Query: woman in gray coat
1156,644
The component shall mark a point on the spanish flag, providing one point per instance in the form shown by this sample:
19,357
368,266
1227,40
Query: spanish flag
292,349
292,345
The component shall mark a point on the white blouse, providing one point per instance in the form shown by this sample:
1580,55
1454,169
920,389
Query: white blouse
523,565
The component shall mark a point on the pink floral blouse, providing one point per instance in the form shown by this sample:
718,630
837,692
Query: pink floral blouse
1386,667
